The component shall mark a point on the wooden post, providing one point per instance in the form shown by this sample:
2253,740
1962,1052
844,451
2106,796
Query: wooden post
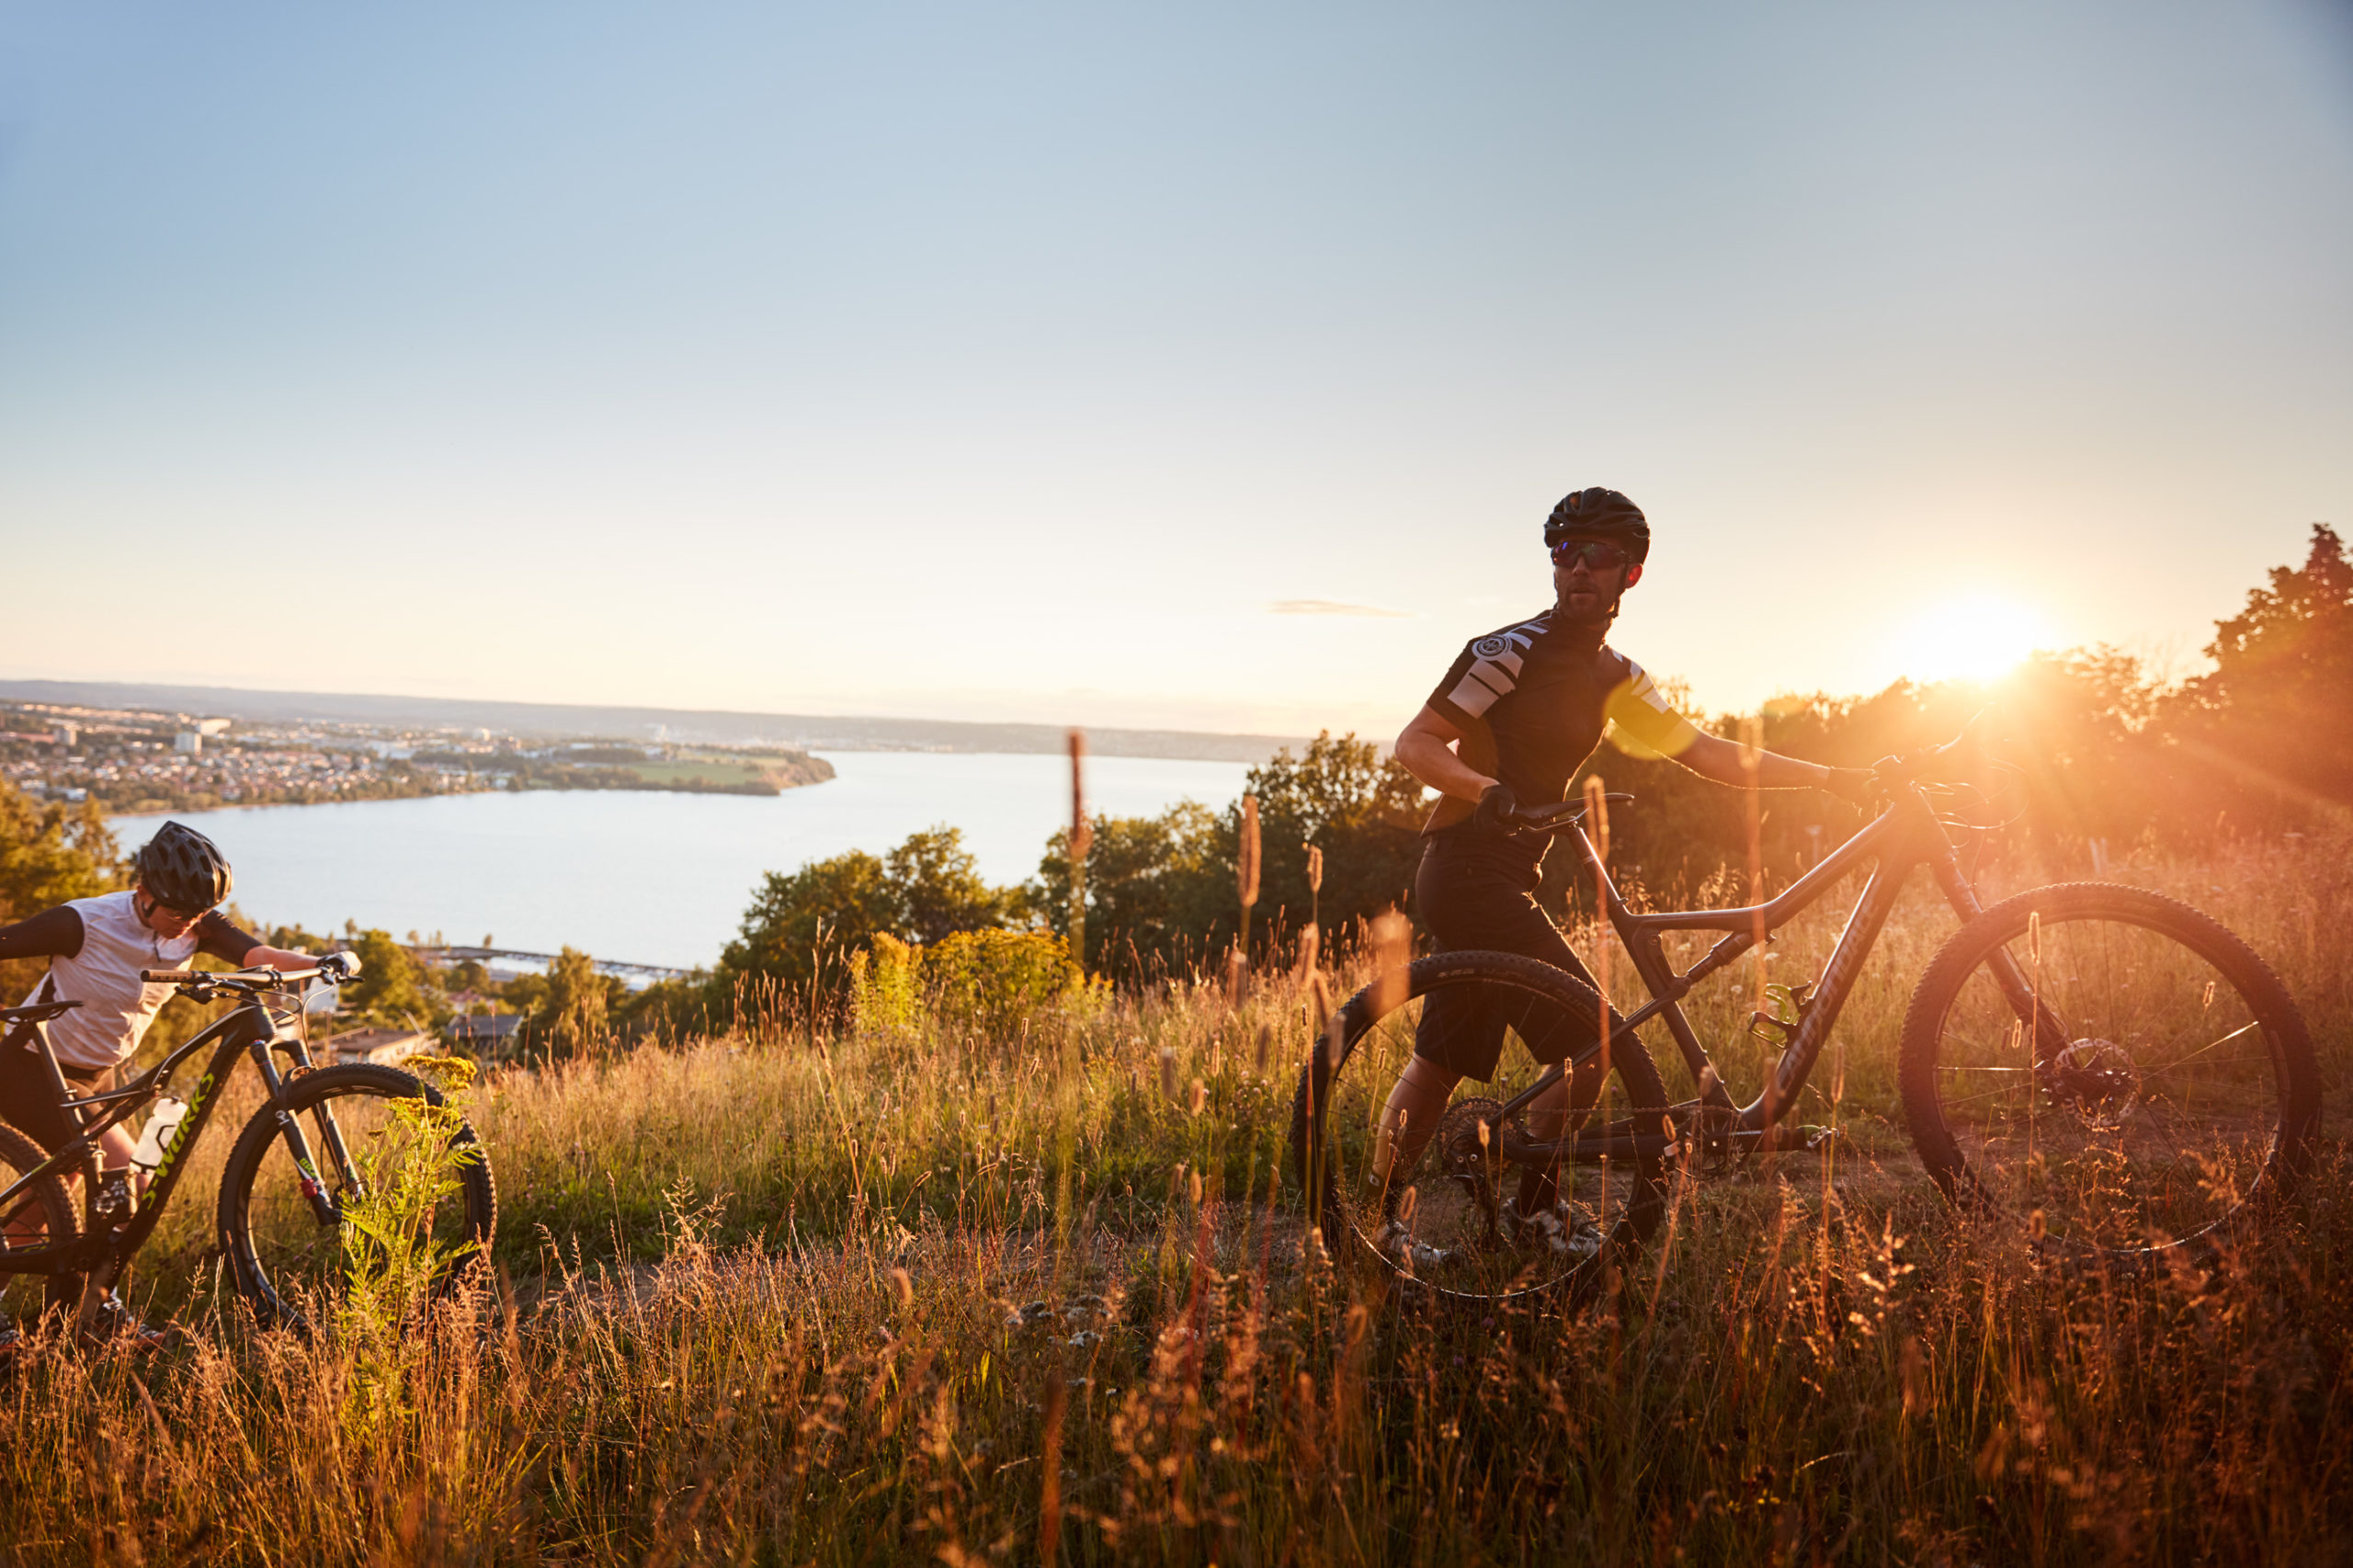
1082,839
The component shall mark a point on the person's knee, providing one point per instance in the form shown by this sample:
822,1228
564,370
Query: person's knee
1427,1076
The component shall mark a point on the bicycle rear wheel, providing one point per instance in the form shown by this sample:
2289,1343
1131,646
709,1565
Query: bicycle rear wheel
1447,1224
2169,1091
40,1216
438,1198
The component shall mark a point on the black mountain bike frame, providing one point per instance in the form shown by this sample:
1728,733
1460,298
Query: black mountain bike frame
1908,835
107,1245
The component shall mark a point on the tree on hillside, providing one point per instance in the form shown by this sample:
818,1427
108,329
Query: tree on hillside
49,854
803,925
2273,709
938,890
1364,810
393,991
1159,892
580,1005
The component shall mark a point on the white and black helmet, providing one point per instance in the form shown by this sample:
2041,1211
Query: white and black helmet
183,868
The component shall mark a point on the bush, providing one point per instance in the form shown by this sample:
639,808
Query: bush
884,994
997,981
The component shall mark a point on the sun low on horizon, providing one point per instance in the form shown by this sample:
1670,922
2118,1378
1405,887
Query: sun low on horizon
1975,637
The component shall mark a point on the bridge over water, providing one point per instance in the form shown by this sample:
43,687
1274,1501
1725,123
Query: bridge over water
511,958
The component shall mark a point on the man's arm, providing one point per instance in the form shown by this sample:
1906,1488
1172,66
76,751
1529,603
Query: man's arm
216,936
1427,748
1712,757
52,934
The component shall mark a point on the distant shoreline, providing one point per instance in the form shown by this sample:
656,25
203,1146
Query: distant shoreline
435,795
676,725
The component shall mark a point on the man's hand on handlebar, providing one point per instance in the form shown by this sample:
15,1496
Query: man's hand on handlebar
1498,812
1858,786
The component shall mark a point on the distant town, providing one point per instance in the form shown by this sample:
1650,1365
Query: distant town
131,760
537,724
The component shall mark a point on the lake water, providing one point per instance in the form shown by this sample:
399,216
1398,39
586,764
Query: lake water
647,877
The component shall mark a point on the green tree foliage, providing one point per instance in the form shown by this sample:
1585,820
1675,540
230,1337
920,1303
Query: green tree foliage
393,989
1159,892
803,925
580,1006
997,981
1161,898
938,888
49,854
1363,810
2272,713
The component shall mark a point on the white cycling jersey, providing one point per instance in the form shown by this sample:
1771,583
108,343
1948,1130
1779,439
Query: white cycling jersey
103,976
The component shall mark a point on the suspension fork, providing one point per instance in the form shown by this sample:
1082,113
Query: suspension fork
2018,986
324,1205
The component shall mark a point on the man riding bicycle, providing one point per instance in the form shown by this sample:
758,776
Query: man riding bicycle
97,948
1509,725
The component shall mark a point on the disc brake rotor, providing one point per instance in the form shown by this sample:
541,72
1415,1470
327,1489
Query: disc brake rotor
2097,1078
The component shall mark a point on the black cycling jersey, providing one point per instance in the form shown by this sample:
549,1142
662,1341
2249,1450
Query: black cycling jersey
1532,701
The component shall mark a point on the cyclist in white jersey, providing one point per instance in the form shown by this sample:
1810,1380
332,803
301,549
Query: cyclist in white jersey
97,948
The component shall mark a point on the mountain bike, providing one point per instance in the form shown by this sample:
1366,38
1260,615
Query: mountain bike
314,1148
2108,1071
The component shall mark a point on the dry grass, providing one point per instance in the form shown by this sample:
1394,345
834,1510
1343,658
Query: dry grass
941,1296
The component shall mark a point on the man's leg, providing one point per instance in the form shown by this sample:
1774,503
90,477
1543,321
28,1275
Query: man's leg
1518,925
1409,1120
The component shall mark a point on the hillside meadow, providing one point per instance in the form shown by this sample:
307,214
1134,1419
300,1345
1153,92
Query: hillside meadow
926,1283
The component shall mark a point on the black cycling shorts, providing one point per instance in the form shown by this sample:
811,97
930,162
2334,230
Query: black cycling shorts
1473,894
29,1096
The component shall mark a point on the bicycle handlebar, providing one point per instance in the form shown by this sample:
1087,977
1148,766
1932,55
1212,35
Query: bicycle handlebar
1906,768
333,968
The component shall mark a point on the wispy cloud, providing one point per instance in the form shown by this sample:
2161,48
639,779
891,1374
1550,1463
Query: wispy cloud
1333,606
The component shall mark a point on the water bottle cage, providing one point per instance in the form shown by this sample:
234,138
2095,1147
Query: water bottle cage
1786,1009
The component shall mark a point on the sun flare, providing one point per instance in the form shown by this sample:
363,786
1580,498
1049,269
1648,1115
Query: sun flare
1981,637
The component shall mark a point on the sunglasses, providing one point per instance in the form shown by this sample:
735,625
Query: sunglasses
1594,555
175,909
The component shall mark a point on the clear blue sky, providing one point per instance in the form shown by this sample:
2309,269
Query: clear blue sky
1021,360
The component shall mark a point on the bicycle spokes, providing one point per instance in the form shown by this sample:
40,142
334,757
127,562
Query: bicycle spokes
2146,1111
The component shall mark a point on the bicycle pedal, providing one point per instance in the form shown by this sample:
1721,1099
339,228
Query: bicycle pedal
1800,1138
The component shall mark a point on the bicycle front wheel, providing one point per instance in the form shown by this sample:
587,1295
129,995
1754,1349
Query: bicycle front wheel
409,1198
1451,1222
2164,1095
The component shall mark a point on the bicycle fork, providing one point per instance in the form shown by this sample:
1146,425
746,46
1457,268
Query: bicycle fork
325,1206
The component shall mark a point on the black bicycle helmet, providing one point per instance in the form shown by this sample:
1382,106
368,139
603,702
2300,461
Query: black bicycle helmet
183,868
1601,514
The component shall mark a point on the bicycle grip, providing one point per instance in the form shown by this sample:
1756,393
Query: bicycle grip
165,976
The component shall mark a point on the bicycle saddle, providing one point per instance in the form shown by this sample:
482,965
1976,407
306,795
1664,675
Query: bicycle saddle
39,1013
